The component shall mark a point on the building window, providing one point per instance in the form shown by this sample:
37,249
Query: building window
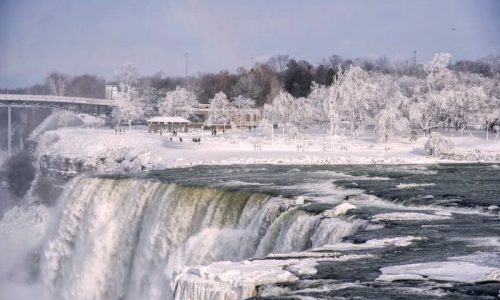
248,118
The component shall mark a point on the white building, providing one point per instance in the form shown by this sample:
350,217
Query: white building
250,117
111,91
168,124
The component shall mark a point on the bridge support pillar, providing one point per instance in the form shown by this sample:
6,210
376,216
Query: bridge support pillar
9,130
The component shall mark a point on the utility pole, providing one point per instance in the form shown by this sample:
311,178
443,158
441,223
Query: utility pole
414,57
9,129
187,66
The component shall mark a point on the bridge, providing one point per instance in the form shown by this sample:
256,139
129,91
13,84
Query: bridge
87,105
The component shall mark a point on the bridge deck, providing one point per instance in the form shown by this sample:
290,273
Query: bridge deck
49,99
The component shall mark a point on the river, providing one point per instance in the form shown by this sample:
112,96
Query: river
413,231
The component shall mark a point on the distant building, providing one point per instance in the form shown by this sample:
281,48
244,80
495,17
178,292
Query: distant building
111,91
199,115
168,124
249,117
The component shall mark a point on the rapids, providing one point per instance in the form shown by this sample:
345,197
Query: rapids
233,232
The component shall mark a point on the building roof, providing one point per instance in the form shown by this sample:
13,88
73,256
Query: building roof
168,120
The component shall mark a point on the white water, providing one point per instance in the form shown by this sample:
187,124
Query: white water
124,238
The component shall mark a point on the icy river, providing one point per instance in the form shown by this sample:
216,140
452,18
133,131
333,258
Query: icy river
263,231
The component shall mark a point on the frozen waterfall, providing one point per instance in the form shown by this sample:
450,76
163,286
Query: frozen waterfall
124,238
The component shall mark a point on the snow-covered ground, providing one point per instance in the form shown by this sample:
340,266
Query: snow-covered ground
104,149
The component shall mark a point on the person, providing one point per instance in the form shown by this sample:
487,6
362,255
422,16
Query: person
249,128
161,132
180,139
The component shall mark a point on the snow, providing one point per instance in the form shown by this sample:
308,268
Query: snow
447,271
168,120
137,150
476,267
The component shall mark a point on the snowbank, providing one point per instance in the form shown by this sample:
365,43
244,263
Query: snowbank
137,150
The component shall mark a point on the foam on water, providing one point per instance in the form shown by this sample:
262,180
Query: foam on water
413,185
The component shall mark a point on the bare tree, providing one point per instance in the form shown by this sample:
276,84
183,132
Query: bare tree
278,62
57,83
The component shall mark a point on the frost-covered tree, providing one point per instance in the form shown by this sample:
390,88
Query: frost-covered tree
241,105
301,113
178,103
218,112
282,108
129,107
463,103
152,99
127,75
388,122
331,107
428,110
269,120
356,92
316,100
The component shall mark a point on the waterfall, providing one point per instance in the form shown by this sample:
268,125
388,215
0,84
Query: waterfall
124,238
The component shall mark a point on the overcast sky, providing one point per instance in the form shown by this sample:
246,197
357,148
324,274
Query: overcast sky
97,36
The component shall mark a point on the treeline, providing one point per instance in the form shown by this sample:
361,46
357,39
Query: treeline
261,83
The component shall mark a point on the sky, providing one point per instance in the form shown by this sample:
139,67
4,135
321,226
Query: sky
98,36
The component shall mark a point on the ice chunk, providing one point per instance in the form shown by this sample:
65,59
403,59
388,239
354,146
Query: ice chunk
339,210
407,216
459,271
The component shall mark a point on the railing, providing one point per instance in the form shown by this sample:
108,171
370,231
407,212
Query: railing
56,99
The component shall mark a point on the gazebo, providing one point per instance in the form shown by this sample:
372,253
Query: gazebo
168,124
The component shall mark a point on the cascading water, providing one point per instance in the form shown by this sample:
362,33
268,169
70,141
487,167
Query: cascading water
124,238
176,235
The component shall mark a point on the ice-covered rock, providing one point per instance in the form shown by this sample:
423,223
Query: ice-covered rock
339,210
234,280
408,216
458,271
375,243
